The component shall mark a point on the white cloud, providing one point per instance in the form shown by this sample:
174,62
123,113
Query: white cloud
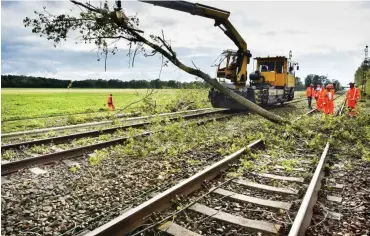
325,37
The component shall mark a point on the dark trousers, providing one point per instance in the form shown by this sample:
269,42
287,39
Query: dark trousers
309,99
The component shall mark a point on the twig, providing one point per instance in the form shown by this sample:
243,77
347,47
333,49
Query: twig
92,178
106,57
32,233
272,216
135,53
195,65
166,45
129,54
327,213
86,6
112,37
147,94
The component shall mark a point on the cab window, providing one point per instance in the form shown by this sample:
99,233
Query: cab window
280,67
266,66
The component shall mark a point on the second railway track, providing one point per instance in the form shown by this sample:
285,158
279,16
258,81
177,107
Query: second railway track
9,167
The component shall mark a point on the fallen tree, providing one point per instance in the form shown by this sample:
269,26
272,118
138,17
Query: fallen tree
99,25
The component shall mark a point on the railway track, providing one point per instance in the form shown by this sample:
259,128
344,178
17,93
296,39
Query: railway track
38,132
9,167
214,201
24,174
13,166
94,133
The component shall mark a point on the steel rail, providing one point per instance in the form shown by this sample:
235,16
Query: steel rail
94,133
14,166
119,115
101,123
133,218
340,111
304,215
93,124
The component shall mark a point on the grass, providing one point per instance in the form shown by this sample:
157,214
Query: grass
24,109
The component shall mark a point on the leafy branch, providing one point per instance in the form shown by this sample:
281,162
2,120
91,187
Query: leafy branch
99,25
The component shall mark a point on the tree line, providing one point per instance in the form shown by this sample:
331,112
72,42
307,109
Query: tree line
362,77
22,81
322,80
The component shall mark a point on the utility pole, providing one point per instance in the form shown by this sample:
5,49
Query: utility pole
365,68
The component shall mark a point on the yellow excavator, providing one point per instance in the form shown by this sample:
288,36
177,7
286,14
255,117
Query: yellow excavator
272,82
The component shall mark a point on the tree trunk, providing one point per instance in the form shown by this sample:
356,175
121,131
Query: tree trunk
213,82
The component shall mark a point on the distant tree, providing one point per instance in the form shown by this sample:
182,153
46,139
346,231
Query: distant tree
316,79
20,81
299,84
362,78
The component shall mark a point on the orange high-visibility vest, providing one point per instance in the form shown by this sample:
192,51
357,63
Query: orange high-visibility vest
329,102
110,99
353,95
322,94
310,92
317,92
319,95
331,95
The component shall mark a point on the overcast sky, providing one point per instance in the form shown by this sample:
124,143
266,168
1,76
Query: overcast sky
325,37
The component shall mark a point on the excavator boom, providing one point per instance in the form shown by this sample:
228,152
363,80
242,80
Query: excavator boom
276,85
221,19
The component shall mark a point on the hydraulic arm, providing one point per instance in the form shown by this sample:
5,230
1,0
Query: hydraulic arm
221,20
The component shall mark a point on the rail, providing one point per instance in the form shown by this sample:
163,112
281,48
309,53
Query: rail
92,124
304,215
131,219
14,166
61,139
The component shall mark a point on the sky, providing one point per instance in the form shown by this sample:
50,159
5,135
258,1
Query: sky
326,38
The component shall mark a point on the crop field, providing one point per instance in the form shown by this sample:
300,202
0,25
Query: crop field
24,109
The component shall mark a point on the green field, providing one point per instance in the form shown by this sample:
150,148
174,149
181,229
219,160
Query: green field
24,109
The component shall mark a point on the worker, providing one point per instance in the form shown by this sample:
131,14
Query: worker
110,102
322,95
352,97
310,92
232,65
317,93
329,100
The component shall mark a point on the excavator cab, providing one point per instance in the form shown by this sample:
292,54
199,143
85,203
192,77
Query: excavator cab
228,65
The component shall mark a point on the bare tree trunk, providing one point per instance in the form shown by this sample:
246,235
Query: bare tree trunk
213,82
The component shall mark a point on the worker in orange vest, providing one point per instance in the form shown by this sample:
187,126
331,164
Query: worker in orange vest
329,100
322,94
110,102
352,97
317,93
310,93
